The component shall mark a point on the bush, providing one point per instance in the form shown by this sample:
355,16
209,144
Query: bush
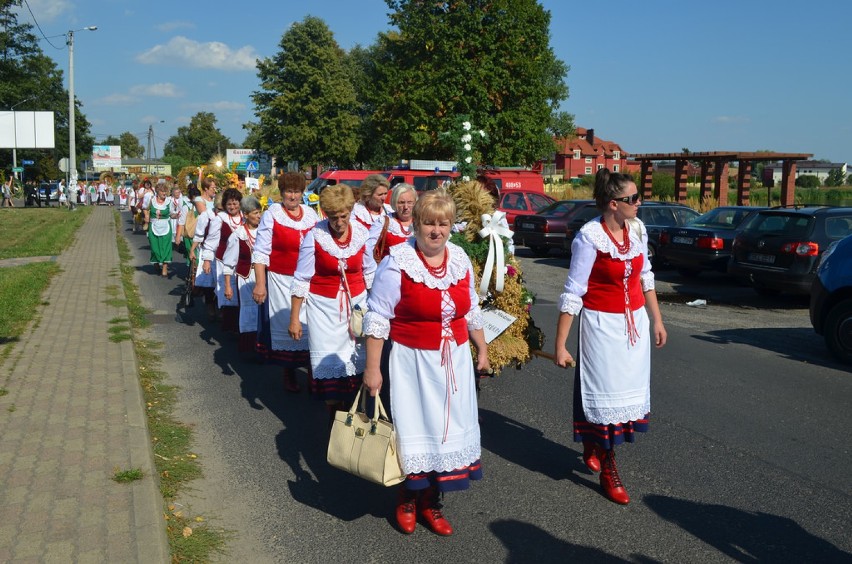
807,181
663,186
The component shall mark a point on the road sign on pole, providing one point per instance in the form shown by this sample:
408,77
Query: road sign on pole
18,169
26,163
251,166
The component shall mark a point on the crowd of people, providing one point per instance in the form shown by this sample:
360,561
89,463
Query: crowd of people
289,280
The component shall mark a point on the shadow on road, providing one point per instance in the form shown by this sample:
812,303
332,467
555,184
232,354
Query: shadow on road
528,543
746,536
795,343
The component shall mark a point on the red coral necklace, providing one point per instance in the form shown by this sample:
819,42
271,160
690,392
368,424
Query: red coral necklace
437,271
622,247
343,243
295,217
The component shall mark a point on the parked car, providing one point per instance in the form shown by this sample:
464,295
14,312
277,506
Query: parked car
545,229
655,215
705,242
48,192
778,250
517,203
831,299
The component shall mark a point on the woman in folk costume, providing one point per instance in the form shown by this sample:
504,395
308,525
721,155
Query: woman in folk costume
187,210
395,227
372,207
609,282
213,250
424,298
237,261
160,234
332,277
282,229
205,280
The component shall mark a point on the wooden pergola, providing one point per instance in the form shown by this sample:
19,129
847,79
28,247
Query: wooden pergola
714,173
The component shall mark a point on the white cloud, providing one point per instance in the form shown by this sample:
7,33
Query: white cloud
181,51
159,89
222,106
117,99
46,11
731,119
173,25
149,119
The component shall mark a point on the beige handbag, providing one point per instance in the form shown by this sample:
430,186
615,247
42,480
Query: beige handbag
365,447
356,314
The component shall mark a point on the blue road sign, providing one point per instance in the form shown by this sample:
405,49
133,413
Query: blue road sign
27,162
251,166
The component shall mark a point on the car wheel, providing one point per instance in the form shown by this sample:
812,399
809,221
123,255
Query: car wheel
838,331
689,272
652,255
540,251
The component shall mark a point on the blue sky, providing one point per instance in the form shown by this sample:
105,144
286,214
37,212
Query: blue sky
652,75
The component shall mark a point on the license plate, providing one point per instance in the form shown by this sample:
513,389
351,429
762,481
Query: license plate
761,258
527,225
683,240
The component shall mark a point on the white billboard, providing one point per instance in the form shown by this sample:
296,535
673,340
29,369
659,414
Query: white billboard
26,130
106,156
241,157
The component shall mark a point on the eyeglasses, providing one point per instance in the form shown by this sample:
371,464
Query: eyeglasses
628,199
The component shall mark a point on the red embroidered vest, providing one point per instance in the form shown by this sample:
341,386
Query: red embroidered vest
417,317
326,279
224,233
244,260
606,284
285,249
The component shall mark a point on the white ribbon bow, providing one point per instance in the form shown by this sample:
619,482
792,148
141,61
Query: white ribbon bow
491,228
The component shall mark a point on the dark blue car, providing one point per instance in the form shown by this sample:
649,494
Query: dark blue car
831,299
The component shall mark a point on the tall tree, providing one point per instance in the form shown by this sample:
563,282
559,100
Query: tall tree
306,106
197,142
31,81
488,59
131,148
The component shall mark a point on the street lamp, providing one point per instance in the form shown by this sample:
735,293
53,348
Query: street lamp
72,141
15,134
151,141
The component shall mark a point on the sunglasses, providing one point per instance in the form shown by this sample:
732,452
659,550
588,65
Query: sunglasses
628,199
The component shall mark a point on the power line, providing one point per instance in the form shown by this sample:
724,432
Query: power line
27,4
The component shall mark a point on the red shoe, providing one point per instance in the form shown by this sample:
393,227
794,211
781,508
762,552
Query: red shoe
406,510
290,382
591,456
430,510
611,482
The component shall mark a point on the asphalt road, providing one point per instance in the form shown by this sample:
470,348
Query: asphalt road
746,459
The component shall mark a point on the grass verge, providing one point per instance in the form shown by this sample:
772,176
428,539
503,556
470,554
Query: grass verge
35,232
191,539
21,288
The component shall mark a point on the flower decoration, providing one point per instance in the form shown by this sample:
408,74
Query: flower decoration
464,146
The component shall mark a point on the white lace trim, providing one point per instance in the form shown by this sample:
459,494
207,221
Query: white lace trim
376,326
243,232
406,257
647,279
308,220
615,415
368,279
323,372
259,258
474,318
417,463
329,245
570,303
594,231
361,213
300,288
395,228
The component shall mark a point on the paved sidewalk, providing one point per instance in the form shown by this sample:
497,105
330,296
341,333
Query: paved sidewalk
73,415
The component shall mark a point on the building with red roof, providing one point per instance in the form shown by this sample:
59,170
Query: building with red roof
584,154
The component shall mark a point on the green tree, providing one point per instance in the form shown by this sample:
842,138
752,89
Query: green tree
30,80
197,142
807,181
306,106
131,148
561,125
488,59
835,178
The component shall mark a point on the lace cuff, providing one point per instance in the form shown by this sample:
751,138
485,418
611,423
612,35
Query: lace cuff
368,280
207,255
259,258
647,279
300,288
376,326
570,303
227,270
474,319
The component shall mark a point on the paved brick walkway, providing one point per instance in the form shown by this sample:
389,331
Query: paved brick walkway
73,415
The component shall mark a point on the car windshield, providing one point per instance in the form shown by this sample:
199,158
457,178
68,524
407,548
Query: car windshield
720,218
539,202
778,224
